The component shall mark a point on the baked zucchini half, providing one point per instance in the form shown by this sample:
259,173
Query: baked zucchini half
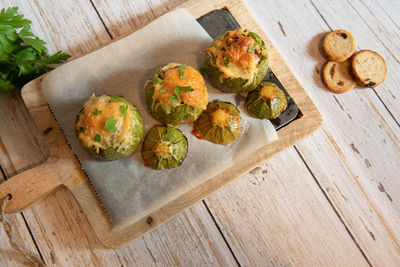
267,101
164,147
237,61
176,94
110,128
219,124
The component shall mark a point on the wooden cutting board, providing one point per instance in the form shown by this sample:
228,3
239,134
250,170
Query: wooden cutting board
62,168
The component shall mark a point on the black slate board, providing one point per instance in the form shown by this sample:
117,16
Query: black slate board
218,22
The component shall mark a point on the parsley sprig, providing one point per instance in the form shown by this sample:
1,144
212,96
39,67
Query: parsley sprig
177,90
111,124
23,56
182,69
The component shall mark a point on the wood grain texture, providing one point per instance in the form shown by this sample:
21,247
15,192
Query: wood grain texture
61,229
267,227
355,157
21,145
113,237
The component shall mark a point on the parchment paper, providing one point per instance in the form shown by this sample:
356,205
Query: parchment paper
128,189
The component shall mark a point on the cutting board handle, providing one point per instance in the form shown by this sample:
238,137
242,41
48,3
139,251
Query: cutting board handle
28,187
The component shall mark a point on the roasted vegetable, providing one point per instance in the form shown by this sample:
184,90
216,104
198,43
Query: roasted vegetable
219,124
237,61
267,101
164,147
176,94
109,127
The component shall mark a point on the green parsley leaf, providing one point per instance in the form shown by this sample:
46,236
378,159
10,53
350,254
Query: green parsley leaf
118,99
178,90
123,109
110,124
251,49
228,61
218,46
163,91
96,111
23,56
256,38
81,129
173,99
157,80
97,138
182,69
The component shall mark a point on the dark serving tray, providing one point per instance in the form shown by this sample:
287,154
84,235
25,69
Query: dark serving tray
218,22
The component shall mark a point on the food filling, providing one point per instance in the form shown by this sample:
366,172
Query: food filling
237,54
267,92
220,118
180,84
106,122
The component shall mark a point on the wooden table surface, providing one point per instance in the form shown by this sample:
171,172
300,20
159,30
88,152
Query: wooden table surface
333,199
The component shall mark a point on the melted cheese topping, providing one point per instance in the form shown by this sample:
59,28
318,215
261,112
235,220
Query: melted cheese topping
235,45
94,124
267,92
220,118
198,98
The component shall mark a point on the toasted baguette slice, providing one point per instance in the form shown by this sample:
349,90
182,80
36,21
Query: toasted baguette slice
338,45
369,68
337,76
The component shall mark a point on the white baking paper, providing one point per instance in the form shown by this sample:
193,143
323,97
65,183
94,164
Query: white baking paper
128,189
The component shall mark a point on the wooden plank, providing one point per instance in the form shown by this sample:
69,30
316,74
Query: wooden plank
8,256
380,23
66,238
277,216
57,222
355,157
21,145
384,40
122,16
287,136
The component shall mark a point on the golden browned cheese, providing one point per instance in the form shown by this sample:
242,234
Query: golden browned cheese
94,124
267,92
196,98
220,118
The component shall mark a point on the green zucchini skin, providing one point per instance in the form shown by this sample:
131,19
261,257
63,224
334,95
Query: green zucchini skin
110,153
171,137
204,128
233,85
179,114
237,84
259,108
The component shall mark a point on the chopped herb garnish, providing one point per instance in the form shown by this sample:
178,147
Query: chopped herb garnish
256,38
96,111
228,61
163,91
251,49
123,109
178,90
218,46
157,80
182,69
173,99
110,124
118,98
81,129
97,138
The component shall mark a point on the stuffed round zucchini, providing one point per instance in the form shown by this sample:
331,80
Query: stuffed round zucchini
109,127
267,101
176,94
219,124
237,61
164,147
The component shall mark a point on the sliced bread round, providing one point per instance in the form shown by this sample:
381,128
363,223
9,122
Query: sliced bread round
369,68
337,76
338,45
